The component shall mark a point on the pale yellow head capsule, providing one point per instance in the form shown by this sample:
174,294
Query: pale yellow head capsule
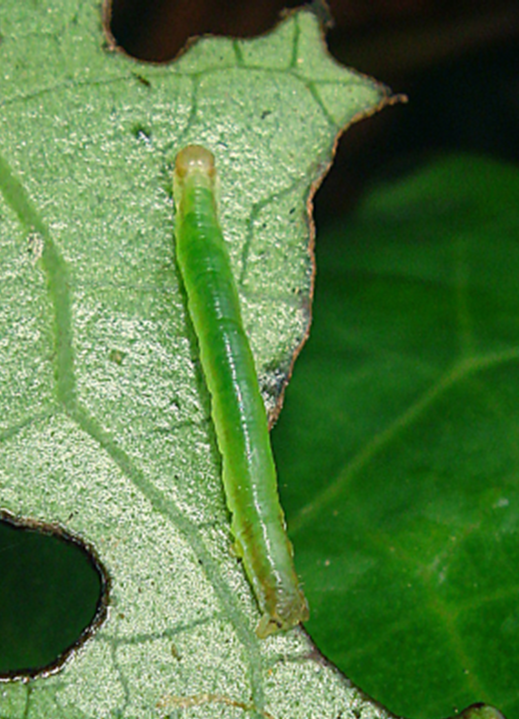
194,158
193,162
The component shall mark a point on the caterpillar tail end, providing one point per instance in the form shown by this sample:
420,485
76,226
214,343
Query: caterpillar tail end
283,618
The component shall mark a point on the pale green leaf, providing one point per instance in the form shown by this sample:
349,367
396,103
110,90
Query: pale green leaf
105,421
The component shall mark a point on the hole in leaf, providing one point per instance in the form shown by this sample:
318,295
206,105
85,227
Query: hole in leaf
156,30
53,596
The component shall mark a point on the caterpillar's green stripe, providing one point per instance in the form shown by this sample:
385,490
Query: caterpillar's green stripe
249,474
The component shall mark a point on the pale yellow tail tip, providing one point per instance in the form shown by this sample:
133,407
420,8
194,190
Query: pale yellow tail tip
269,624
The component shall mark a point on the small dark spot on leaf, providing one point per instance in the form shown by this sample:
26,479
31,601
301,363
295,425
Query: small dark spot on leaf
273,380
143,80
265,114
140,132
35,245
117,356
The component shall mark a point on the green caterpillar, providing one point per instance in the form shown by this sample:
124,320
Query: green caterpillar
249,473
